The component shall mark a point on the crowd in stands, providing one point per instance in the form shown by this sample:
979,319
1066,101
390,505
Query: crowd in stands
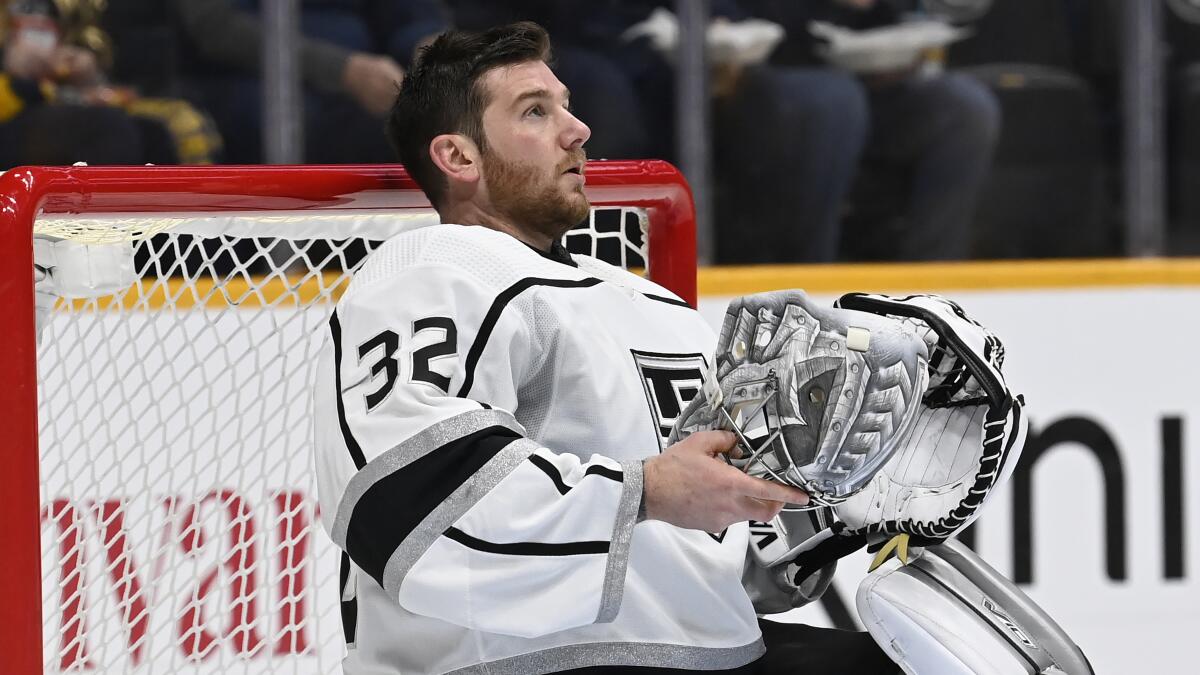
1002,144
59,103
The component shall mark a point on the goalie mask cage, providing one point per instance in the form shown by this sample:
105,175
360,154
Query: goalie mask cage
160,508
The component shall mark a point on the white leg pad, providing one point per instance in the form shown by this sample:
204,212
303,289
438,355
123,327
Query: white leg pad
949,613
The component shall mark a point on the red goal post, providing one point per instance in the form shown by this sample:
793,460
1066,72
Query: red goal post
654,188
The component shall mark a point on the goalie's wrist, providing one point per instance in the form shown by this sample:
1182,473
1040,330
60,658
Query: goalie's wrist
641,512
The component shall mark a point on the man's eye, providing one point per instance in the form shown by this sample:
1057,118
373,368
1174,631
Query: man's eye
535,111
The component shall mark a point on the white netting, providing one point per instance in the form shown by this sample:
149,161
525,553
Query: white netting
179,524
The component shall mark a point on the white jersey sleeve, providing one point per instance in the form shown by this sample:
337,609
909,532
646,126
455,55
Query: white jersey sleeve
431,484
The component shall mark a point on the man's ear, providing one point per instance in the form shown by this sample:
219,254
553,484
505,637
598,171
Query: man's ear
457,156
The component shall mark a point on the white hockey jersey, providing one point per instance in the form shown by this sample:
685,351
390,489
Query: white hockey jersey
482,413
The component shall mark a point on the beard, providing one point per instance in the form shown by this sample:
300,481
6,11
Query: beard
519,192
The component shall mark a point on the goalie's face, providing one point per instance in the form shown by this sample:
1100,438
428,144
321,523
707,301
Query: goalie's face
533,157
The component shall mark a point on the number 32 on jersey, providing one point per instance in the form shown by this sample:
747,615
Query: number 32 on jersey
380,352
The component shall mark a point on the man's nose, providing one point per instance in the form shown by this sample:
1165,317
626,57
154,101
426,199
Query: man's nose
576,133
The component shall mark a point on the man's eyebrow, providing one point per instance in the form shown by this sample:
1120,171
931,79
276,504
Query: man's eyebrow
539,93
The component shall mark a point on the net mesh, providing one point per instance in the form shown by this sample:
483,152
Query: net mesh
180,531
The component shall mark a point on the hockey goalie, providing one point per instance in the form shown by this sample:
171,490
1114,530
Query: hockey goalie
894,415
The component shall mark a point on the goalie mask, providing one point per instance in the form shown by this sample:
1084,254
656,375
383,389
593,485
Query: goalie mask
819,397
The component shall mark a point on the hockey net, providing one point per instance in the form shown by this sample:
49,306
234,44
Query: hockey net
174,517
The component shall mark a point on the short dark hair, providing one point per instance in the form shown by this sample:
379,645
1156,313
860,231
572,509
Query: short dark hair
441,93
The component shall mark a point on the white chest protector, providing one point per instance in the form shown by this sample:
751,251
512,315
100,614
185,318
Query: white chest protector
481,417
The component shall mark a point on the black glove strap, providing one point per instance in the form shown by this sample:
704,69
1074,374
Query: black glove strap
834,548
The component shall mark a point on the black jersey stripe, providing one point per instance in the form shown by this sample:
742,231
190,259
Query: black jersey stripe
526,547
670,301
493,317
356,453
552,471
675,356
395,505
611,474
349,607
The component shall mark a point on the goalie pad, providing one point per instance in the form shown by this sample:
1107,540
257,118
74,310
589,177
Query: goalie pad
949,613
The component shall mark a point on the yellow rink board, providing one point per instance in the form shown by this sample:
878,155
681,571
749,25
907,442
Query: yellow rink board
252,292
999,275
292,291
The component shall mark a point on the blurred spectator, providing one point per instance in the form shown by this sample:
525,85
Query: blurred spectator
791,135
1053,186
1183,147
623,90
352,58
794,133
56,105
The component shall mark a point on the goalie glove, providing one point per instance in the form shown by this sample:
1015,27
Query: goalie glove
931,430
820,398
969,431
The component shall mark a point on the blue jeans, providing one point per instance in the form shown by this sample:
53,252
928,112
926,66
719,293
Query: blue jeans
787,143
790,142
941,133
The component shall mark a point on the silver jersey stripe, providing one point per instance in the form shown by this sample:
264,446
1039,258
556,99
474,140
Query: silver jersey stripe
449,511
409,451
652,655
618,549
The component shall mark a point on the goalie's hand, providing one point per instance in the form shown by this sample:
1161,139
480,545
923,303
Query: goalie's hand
968,434
689,486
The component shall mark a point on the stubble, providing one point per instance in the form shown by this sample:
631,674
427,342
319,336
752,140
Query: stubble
521,194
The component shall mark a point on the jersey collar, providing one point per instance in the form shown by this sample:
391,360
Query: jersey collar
558,253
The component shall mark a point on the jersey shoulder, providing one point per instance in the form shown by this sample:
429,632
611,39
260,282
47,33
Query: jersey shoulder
613,274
